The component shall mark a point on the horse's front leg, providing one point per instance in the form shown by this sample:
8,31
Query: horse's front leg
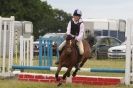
75,72
83,62
67,74
57,73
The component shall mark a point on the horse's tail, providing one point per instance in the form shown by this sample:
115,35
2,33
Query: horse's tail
91,40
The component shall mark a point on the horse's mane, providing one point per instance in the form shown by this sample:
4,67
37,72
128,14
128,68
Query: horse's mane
91,40
69,37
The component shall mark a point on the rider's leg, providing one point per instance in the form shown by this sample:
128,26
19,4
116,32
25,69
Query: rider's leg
81,51
80,47
60,50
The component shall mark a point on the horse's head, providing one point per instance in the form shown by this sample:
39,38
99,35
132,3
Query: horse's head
70,44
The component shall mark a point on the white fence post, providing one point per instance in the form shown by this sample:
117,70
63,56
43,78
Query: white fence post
4,47
21,51
6,34
129,55
26,51
0,36
31,51
11,43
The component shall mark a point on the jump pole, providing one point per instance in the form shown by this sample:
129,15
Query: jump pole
109,70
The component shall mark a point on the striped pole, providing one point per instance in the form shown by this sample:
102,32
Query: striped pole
16,46
108,70
11,42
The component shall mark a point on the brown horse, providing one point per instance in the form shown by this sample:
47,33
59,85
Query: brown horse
70,57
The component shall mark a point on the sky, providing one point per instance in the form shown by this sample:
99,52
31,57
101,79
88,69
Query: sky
110,9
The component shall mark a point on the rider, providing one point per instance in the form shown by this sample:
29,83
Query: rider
75,28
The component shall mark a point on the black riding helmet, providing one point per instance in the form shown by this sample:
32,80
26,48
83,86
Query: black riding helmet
77,12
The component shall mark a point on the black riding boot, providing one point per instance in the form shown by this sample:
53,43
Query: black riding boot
57,62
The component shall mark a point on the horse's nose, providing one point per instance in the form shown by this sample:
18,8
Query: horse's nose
69,50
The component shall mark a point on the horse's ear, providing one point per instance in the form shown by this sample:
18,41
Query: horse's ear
68,37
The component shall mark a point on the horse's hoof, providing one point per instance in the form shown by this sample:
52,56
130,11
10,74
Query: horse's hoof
57,79
59,84
74,74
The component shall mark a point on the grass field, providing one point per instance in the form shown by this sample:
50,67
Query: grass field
109,63
21,84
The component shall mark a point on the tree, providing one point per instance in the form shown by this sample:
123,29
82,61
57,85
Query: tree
44,18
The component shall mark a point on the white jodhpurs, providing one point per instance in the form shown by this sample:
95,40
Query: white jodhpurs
79,44
80,47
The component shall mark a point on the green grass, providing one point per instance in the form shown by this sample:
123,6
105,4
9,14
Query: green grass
25,84
107,63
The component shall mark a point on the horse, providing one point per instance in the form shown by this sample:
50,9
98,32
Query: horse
70,57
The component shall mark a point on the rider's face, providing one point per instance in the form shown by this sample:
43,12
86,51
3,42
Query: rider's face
76,18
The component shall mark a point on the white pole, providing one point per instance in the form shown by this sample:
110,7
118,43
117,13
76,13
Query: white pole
12,46
21,51
11,43
10,39
28,51
24,51
128,53
4,47
0,36
31,51
16,46
131,66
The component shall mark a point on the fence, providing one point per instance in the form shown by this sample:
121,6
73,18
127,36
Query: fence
6,45
26,51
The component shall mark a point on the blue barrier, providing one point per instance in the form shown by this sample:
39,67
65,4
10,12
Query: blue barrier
108,70
46,50
31,67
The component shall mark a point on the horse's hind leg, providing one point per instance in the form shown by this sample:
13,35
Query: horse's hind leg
57,73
